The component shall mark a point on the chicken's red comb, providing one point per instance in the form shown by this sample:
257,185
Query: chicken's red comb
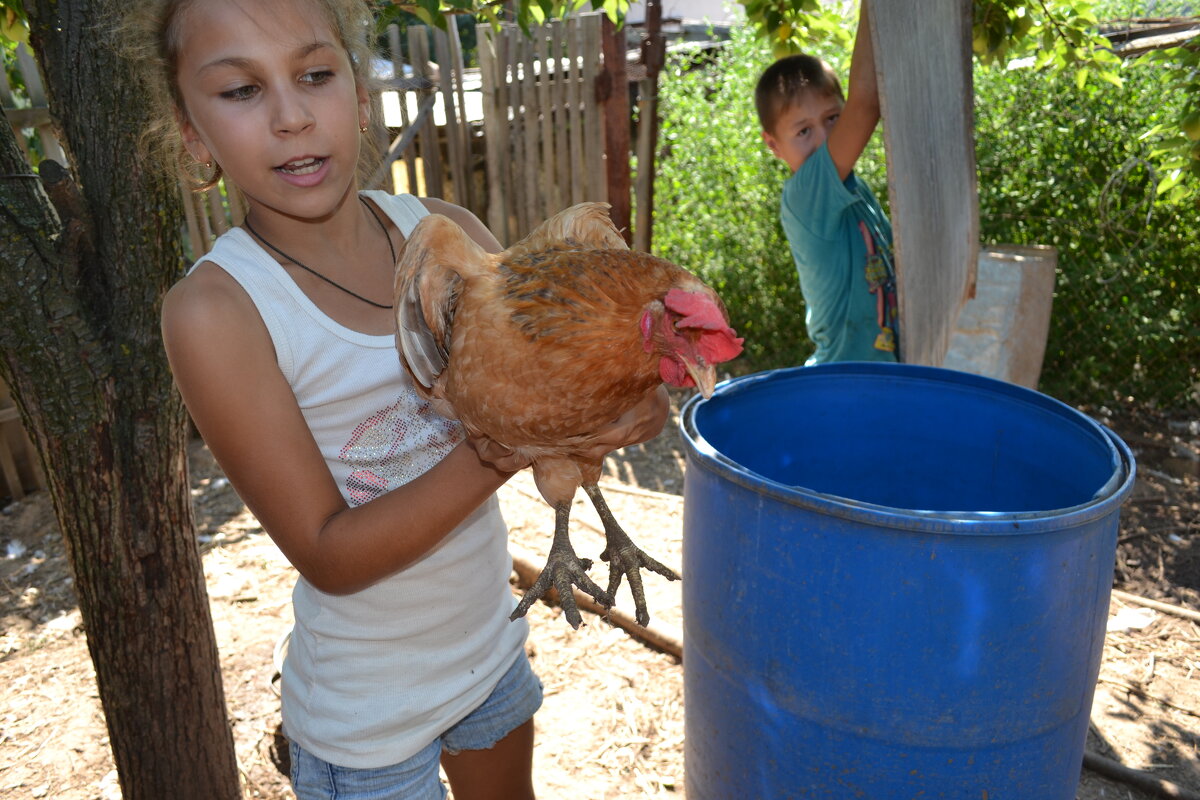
696,309
720,346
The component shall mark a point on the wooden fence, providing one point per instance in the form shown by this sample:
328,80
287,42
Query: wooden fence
543,126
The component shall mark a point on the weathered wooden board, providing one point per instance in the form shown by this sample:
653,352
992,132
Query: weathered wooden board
923,60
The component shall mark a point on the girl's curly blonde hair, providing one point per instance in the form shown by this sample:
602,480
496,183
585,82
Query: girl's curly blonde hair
150,35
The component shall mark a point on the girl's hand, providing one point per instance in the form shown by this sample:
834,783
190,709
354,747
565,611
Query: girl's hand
639,424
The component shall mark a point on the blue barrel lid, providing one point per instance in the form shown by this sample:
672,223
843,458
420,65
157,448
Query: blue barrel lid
710,433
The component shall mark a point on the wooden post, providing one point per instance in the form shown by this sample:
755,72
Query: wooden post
592,160
923,60
429,147
410,161
495,125
575,125
612,92
653,54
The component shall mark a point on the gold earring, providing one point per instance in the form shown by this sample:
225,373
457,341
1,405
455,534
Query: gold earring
362,128
208,164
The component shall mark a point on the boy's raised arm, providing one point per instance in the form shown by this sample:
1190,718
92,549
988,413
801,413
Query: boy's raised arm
860,115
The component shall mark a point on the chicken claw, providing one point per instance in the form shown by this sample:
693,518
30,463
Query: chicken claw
625,558
564,570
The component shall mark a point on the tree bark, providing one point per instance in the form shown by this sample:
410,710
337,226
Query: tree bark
84,263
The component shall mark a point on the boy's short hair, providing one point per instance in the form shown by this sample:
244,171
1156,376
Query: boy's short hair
787,81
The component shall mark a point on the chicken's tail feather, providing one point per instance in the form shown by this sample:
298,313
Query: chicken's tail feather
584,225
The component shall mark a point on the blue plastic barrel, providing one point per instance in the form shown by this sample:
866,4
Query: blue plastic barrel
896,584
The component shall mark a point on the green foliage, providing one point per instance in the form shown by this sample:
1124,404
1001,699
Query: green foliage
1065,167
717,199
528,12
1178,152
1064,35
14,24
794,26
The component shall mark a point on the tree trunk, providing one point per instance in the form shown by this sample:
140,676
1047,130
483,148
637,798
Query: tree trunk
82,276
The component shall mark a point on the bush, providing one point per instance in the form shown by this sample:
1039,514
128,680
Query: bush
1067,167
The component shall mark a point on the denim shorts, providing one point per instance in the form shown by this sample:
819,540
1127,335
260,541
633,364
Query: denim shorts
514,700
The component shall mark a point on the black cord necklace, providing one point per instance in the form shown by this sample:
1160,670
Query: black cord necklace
309,269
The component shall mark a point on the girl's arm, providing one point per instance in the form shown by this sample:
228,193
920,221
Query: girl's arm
860,116
225,366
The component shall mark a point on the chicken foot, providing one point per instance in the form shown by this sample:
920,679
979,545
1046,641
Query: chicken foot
624,557
564,569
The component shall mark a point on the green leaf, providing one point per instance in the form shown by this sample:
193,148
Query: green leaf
1168,182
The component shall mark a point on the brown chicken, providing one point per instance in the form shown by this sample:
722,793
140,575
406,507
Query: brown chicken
539,346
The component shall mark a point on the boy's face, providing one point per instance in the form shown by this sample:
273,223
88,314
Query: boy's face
803,127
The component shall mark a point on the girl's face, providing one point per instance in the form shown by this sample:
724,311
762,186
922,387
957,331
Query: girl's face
269,94
803,127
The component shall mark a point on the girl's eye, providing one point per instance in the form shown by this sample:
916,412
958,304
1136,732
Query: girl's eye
317,77
805,131
240,93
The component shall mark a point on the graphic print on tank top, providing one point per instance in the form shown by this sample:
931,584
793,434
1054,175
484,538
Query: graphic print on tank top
395,445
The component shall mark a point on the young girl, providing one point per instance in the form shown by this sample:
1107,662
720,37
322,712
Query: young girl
281,342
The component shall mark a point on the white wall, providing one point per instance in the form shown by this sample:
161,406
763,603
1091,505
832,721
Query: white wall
712,10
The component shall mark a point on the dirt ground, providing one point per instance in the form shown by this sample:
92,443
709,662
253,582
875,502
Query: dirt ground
620,701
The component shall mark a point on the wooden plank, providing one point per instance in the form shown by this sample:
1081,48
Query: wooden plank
466,163
575,105
516,200
429,148
494,119
441,50
216,211
923,60
613,95
7,101
20,118
562,147
237,209
549,204
531,111
16,450
397,54
653,56
592,118
505,129
8,461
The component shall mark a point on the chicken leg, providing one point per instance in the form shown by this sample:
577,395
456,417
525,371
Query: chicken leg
624,557
563,571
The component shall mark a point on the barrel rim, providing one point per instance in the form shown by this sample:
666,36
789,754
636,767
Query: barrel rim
1108,497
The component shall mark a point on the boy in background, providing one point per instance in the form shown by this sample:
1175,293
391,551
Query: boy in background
840,238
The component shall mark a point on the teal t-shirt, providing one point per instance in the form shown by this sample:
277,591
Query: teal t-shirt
820,215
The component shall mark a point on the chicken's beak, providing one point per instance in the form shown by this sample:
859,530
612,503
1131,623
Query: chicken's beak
705,377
